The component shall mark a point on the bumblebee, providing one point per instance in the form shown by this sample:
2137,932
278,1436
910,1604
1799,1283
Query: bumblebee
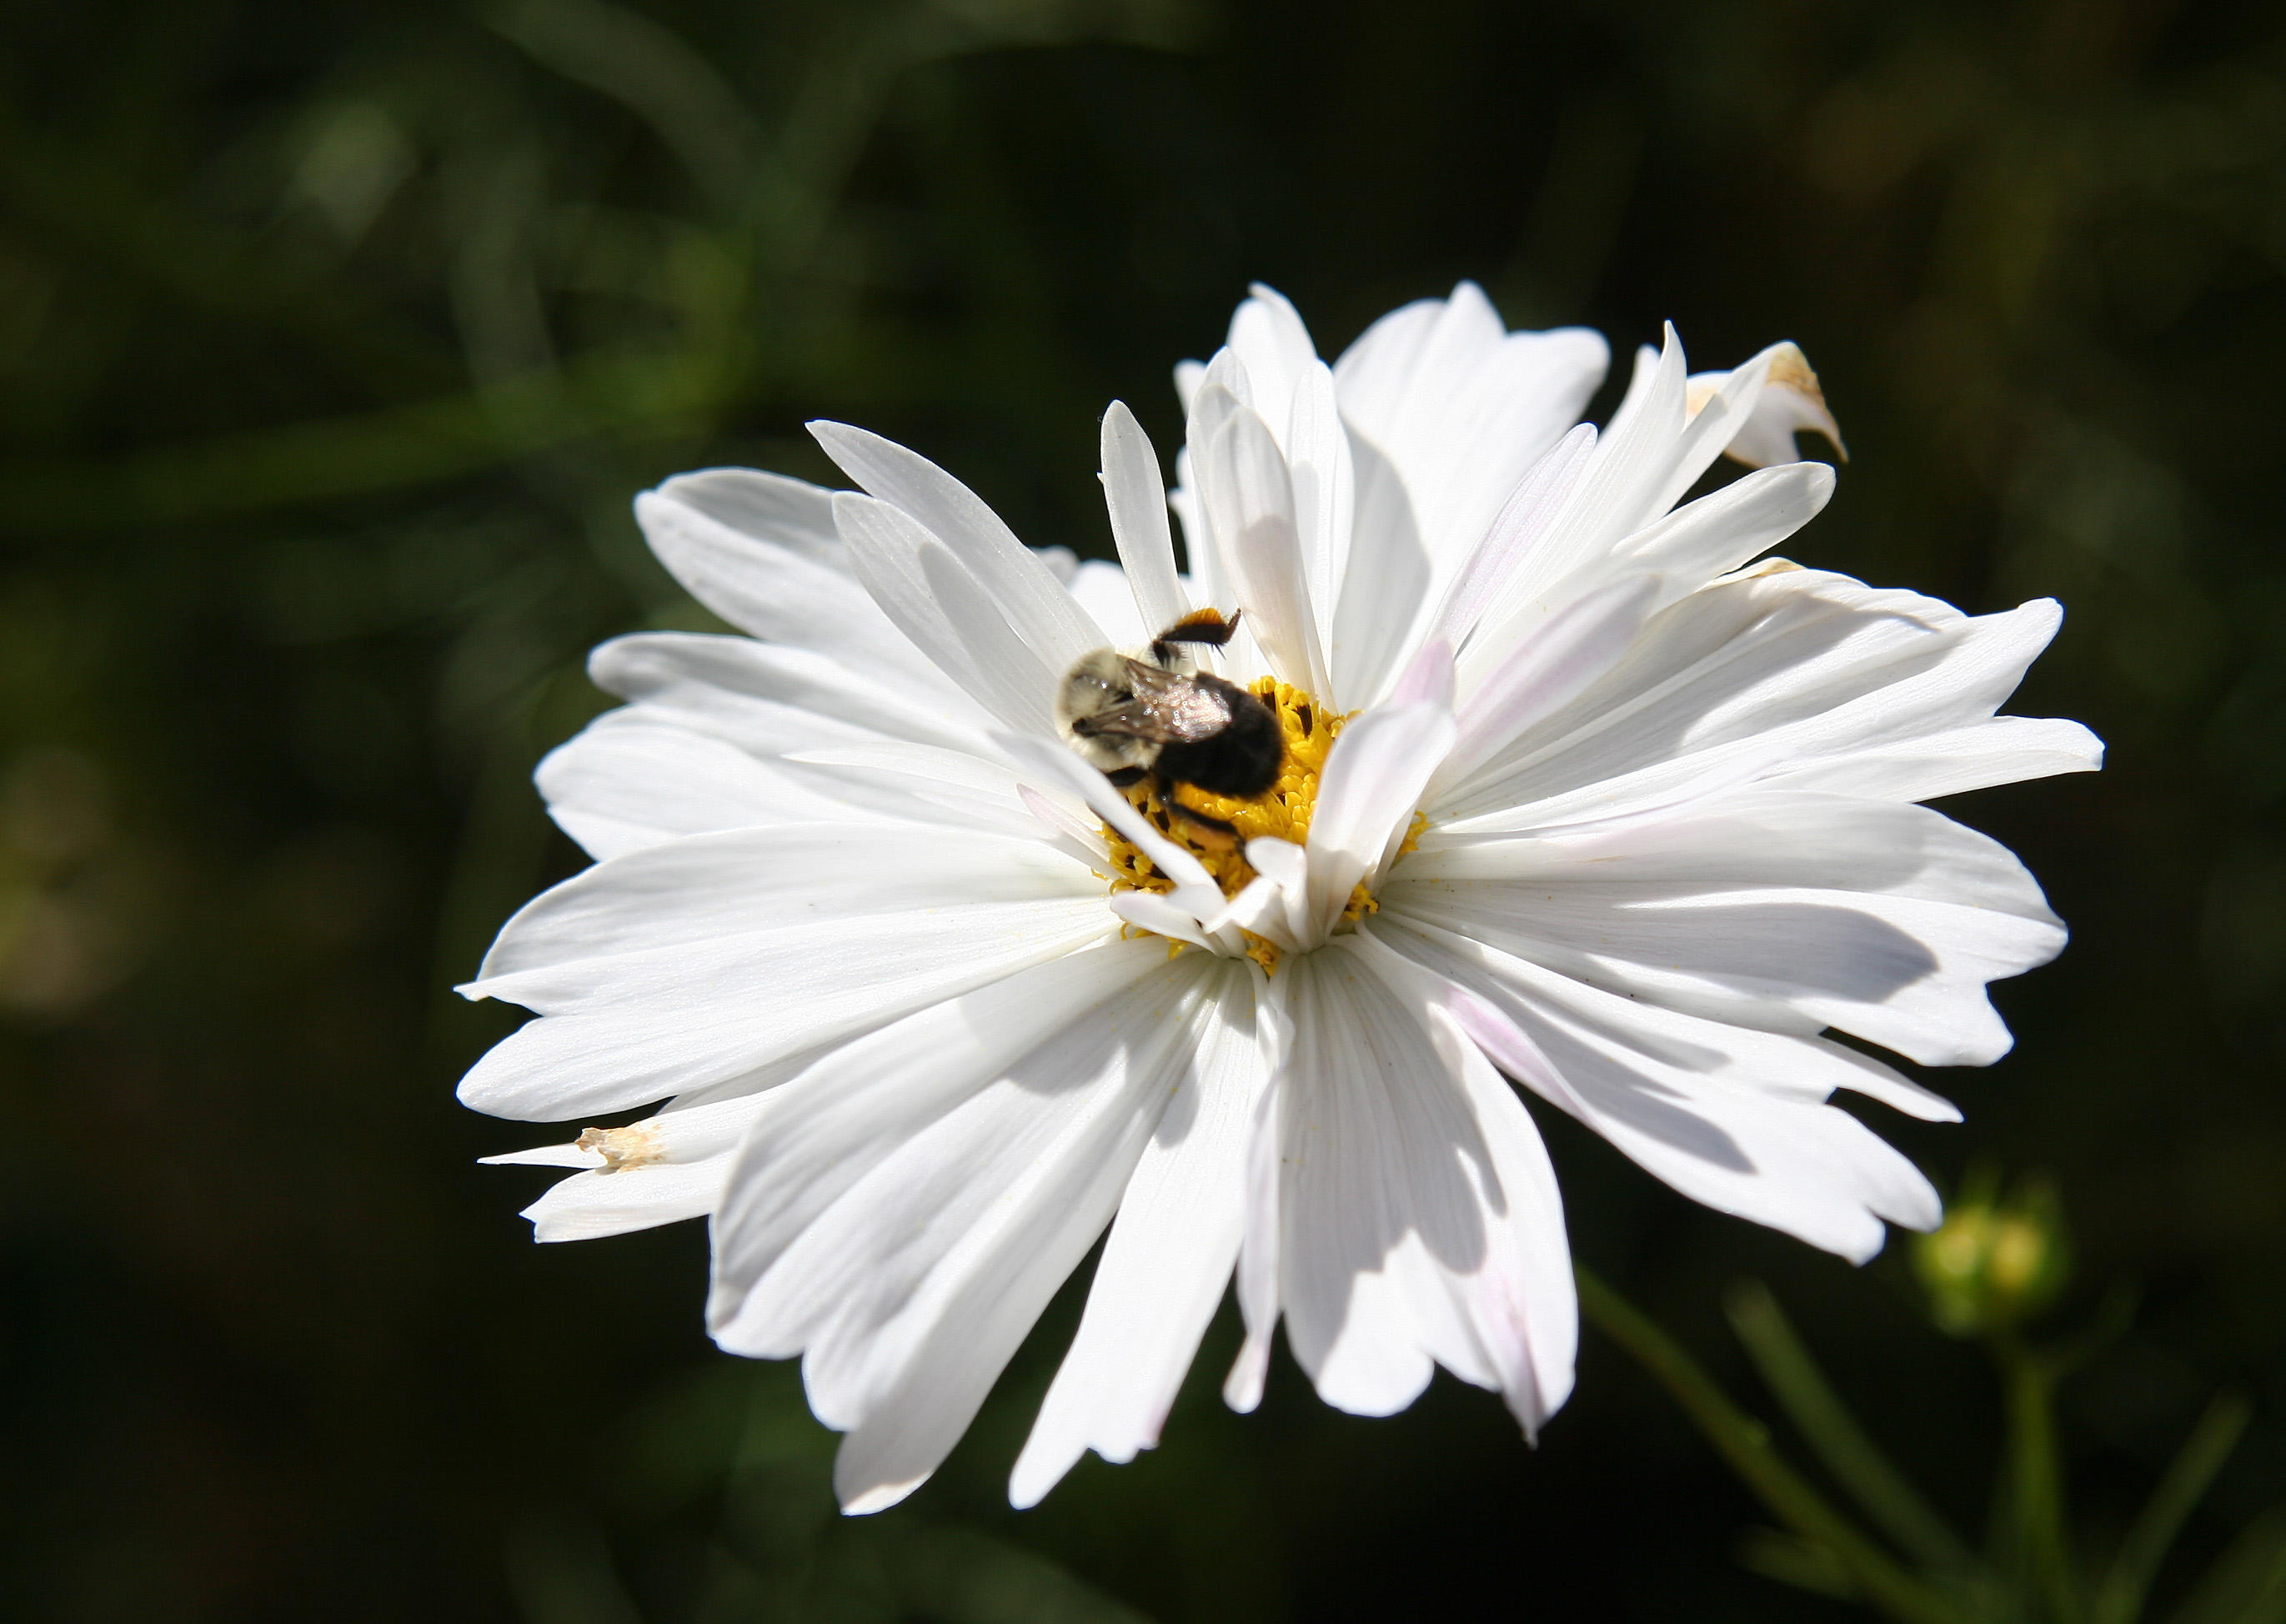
1162,717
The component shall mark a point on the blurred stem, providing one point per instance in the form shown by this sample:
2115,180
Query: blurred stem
1745,1443
2042,1547
1811,1404
2120,1600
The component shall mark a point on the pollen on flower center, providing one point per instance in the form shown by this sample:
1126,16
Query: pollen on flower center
1282,811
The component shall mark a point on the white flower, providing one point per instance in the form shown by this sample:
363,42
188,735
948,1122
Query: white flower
1610,812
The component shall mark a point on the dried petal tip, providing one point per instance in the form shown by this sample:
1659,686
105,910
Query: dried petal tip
1790,401
636,1146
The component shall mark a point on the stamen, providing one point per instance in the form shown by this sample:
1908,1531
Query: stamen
1282,811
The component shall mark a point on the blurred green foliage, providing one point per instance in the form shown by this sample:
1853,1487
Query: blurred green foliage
334,340
1880,1542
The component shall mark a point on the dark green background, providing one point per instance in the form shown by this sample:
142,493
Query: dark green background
333,341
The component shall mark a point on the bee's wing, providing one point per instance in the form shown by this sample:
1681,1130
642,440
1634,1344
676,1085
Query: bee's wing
1167,709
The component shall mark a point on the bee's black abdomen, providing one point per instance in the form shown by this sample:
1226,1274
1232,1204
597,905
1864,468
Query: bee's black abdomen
1242,759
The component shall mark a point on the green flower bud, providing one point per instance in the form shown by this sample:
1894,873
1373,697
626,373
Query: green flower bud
1994,1263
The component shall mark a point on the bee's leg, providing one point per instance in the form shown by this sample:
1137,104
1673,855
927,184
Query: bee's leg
1210,832
1126,778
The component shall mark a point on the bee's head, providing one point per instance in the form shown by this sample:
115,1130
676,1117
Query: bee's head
1096,683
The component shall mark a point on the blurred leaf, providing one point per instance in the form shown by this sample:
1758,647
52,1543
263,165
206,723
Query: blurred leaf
418,442
1893,1504
561,1572
642,64
2247,1584
963,1576
1791,1560
2119,1600
1746,1445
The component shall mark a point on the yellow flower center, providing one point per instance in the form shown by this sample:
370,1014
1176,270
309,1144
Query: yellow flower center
1282,810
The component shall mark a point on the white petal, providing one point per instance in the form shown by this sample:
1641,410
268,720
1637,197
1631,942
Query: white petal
675,1169
1730,1117
1222,391
592,1205
1058,768
935,601
1789,913
1463,408
1641,466
1774,671
1791,401
647,1026
950,785
912,1421
1644,374
1162,916
1375,373
1101,589
1067,815
1137,497
1730,527
1249,501
1373,780
851,1110
1522,522
1613,495
1385,583
1521,1301
1168,1258
1426,678
1188,376
630,780
1345,1197
1267,336
2000,750
1420,1219
1259,1244
693,978
1022,587
784,512
1572,648
768,700
1715,420
1277,903
761,550
915,1286
1317,448
711,887
546,1155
